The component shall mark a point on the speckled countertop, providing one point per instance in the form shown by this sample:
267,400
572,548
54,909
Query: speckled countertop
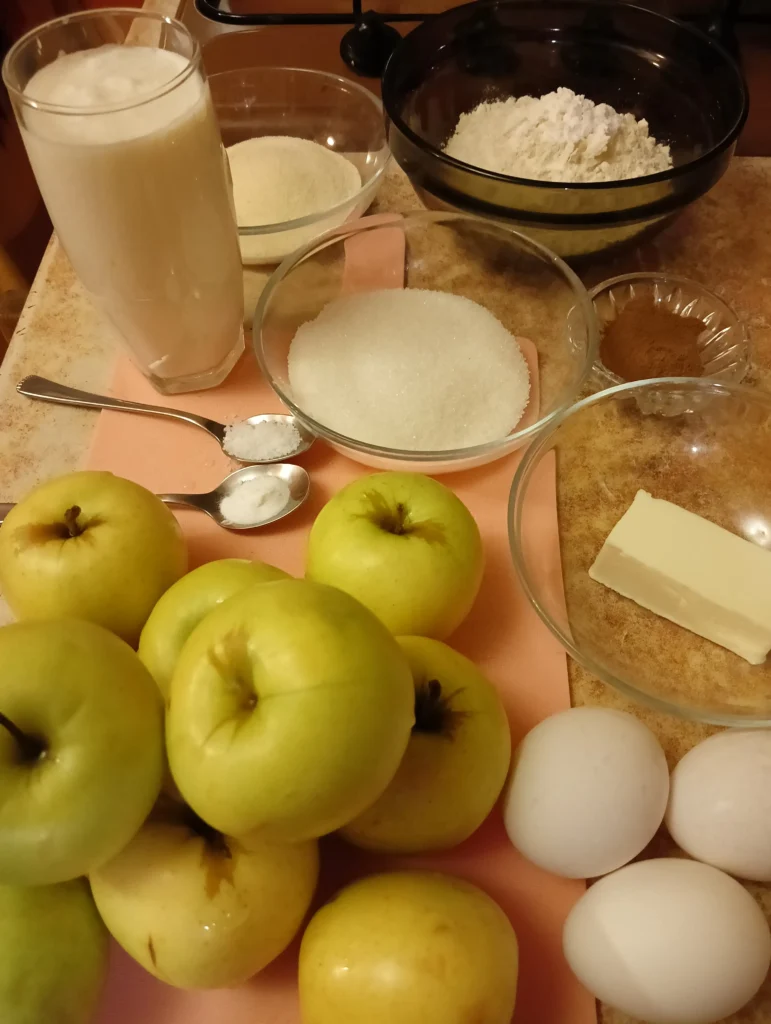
723,241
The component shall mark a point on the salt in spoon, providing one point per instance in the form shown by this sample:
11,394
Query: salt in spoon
49,391
295,478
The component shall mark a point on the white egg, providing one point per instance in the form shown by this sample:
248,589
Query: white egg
587,792
720,803
669,942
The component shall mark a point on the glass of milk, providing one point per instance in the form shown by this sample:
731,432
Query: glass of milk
118,123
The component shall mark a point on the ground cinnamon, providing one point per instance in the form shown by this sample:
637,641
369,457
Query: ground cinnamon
647,341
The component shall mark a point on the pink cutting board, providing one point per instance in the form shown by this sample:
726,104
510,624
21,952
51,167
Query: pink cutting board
502,635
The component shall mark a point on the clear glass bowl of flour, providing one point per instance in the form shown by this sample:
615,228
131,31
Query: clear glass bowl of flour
375,385
317,161
713,460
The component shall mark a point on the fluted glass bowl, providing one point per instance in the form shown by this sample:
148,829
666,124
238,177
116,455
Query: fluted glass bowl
530,291
332,111
713,460
685,85
722,345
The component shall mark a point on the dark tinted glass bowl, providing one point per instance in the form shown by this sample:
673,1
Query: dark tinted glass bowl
681,81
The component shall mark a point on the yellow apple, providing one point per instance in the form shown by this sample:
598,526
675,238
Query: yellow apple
53,954
90,546
405,546
81,749
409,948
291,707
187,602
455,764
201,910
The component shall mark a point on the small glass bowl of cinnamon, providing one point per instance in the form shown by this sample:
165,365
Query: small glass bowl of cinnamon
659,325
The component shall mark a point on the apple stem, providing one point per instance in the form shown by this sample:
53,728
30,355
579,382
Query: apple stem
31,748
434,712
430,707
71,521
391,518
213,839
398,523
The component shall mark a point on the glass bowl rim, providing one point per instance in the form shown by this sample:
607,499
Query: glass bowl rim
580,300
249,231
734,320
76,17
530,460
581,186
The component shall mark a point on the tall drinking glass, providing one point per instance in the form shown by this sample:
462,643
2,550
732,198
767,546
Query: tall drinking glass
116,116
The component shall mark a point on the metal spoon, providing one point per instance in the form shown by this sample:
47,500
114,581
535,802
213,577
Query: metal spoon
50,391
295,477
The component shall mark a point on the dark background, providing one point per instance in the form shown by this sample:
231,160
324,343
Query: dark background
24,225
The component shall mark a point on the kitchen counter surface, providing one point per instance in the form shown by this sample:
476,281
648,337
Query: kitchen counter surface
722,241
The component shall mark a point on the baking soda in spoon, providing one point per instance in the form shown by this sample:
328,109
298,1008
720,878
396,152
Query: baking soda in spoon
255,500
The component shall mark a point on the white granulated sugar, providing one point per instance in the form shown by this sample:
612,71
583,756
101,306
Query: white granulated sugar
282,178
263,441
558,137
410,369
256,500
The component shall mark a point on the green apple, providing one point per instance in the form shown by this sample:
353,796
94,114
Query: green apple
405,546
201,910
189,600
53,954
81,749
411,947
90,546
291,707
456,762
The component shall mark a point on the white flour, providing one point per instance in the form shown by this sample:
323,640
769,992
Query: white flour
557,137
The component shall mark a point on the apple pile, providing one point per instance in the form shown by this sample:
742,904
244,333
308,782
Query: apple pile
183,740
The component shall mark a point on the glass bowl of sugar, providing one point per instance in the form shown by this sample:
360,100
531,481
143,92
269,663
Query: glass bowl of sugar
306,150
432,342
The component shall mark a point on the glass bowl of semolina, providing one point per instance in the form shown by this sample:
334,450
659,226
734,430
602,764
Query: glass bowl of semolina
375,386
302,107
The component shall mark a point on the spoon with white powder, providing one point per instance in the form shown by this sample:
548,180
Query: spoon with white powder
267,438
251,497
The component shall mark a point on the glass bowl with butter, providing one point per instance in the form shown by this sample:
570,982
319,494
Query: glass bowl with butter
661,587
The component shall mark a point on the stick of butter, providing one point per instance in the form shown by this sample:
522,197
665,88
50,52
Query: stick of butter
688,570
